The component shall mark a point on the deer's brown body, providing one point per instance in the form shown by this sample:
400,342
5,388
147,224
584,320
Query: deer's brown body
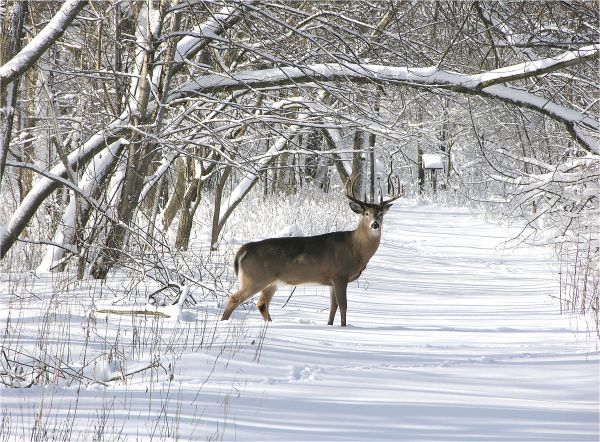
331,259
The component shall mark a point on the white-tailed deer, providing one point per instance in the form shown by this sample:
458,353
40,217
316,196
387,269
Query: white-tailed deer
332,259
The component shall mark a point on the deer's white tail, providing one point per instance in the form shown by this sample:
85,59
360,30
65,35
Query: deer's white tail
238,259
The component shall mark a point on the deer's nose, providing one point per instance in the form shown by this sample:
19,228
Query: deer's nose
375,225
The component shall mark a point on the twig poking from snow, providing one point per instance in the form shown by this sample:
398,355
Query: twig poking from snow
289,297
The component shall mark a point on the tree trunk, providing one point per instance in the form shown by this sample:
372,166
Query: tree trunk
446,146
420,170
358,166
138,163
11,30
372,139
337,160
70,232
216,230
372,178
27,149
141,152
191,201
176,200
284,172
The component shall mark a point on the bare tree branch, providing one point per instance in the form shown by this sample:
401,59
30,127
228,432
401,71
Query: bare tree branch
41,42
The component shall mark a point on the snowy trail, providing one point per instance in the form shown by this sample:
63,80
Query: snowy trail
450,337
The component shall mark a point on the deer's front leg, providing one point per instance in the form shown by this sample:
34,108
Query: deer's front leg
333,306
339,286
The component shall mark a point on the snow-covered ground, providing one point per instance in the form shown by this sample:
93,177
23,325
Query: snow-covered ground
451,337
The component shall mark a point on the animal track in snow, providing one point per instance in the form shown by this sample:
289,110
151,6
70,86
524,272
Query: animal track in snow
297,374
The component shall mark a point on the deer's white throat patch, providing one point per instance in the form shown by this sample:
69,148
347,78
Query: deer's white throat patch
375,232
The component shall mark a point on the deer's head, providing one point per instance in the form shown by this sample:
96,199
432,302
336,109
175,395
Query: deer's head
371,213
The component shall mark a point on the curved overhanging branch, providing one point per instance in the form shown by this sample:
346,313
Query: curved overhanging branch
487,84
536,67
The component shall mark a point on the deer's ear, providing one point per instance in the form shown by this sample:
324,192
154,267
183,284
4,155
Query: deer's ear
386,207
357,208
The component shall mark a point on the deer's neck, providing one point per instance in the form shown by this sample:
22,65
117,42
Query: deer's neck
366,240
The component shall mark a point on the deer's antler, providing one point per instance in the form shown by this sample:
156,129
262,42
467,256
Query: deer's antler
350,194
350,191
394,197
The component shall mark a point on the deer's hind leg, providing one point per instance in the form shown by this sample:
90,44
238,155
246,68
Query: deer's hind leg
242,295
265,300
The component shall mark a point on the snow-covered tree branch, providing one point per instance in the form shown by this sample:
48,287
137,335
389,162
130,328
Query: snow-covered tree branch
16,66
485,84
